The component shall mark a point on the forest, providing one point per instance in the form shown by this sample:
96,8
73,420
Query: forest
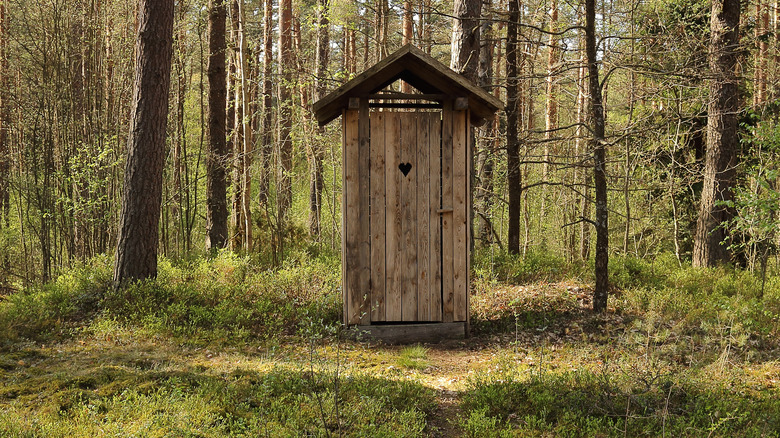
172,216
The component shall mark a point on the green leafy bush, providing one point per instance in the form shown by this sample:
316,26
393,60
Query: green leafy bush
210,298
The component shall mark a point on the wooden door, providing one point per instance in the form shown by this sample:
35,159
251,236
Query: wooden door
405,216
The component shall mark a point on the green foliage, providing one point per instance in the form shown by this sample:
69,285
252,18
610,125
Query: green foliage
218,298
126,401
754,228
52,309
536,265
617,404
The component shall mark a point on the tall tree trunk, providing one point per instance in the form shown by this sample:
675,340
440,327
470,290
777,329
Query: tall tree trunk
550,115
380,29
237,212
485,157
465,37
247,140
217,156
722,140
407,36
580,146
762,35
136,254
266,152
316,178
285,110
5,150
512,111
599,161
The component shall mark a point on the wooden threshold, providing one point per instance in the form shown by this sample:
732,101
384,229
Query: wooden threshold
411,333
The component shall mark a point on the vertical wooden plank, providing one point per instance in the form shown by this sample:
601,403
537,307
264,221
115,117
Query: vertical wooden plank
409,216
447,182
377,171
344,288
393,218
434,163
469,210
364,231
423,215
460,213
351,218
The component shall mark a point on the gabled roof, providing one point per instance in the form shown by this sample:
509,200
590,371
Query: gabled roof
419,70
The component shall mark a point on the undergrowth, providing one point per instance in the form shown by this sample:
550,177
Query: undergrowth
681,352
224,298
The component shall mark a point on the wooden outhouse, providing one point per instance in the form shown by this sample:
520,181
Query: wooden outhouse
407,194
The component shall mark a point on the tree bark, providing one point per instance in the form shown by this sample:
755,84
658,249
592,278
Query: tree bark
285,110
316,178
5,153
217,156
582,152
266,151
762,55
465,37
722,137
136,254
600,293
512,111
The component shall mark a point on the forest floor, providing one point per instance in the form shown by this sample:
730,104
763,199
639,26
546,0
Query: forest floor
520,332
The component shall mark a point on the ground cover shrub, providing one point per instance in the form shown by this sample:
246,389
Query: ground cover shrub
616,404
125,401
210,299
535,266
52,309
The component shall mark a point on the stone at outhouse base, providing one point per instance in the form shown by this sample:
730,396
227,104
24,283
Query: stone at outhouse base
412,333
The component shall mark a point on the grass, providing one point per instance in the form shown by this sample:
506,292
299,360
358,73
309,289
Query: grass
221,347
413,357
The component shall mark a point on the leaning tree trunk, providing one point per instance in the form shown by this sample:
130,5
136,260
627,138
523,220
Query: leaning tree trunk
136,253
599,161
722,137
217,157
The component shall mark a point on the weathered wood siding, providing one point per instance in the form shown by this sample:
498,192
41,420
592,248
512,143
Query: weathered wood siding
406,236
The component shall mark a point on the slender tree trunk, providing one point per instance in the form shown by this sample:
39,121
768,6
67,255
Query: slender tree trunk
762,35
582,152
599,161
407,36
5,150
285,110
550,117
136,254
722,137
512,119
247,140
485,157
217,156
237,212
266,152
380,29
316,178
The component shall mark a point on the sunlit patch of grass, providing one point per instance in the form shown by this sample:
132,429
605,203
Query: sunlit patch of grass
414,357
98,388
649,401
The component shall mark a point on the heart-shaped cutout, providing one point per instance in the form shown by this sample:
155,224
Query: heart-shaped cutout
405,168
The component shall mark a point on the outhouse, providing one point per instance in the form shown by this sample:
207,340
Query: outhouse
406,194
